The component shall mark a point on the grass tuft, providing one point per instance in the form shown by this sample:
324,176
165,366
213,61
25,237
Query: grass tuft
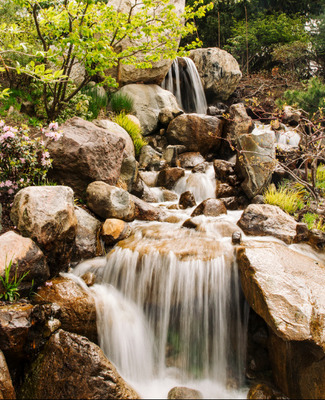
121,103
133,130
286,198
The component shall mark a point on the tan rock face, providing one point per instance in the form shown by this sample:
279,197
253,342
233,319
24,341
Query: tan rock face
78,311
7,390
114,230
190,160
70,366
210,208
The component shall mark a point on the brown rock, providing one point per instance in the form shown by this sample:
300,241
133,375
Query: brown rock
225,190
181,392
169,176
291,116
190,160
199,133
231,203
7,390
71,367
186,200
145,211
265,391
200,168
169,195
78,310
84,154
239,122
210,208
114,230
223,169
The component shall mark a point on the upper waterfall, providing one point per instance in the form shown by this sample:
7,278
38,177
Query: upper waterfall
184,81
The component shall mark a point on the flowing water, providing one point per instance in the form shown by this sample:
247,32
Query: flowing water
184,81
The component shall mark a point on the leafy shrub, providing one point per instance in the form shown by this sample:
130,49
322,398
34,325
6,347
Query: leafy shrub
286,198
23,161
11,285
97,99
78,106
314,221
121,103
133,130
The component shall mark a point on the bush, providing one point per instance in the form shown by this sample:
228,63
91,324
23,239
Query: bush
133,130
121,103
286,198
314,221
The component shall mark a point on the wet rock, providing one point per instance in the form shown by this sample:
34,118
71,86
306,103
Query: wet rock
199,133
78,311
7,390
231,203
149,177
200,168
150,159
129,172
265,219
84,154
225,190
223,169
86,244
145,211
265,391
171,153
148,195
166,115
168,177
219,71
114,230
190,223
182,392
210,208
110,202
46,215
25,257
190,160
236,237
316,239
290,116
70,366
186,200
239,122
259,199
89,278
169,195
148,101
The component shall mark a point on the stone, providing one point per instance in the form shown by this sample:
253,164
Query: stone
148,195
316,238
85,153
223,169
150,158
72,367
168,177
181,392
145,211
78,310
236,237
225,190
231,202
190,160
25,257
109,201
290,116
210,208
171,153
148,101
46,215
129,171
186,200
7,390
149,177
168,195
115,129
219,72
200,168
89,278
264,391
199,133
239,123
266,219
0,217
114,230
166,115
86,243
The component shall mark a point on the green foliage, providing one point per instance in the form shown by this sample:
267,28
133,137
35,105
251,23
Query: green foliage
77,106
311,99
294,55
98,98
314,221
11,285
320,177
286,198
121,103
133,130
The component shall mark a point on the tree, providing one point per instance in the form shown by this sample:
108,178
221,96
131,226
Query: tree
64,33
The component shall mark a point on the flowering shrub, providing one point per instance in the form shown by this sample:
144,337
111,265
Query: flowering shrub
23,161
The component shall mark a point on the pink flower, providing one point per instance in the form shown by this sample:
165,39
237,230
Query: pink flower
22,160
11,191
53,126
8,183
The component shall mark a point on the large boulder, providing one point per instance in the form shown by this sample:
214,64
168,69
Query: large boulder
78,310
219,72
86,153
46,215
286,289
72,367
199,133
239,122
169,176
148,101
25,257
7,390
110,202
265,219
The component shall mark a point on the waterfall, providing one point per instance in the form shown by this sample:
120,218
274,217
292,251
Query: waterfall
184,81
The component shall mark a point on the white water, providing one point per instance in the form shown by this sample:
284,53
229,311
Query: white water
287,136
186,85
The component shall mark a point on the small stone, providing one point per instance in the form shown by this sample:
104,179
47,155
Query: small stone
187,200
181,392
236,237
89,278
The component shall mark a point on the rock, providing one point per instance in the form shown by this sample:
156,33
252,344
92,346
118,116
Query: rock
149,177
231,202
171,153
150,159
223,169
129,171
89,278
181,392
264,391
84,154
316,238
46,215
210,208
115,129
166,115
114,230
25,257
169,195
169,176
86,244
199,133
265,219
286,289
290,116
78,310
239,123
145,211
236,237
225,190
7,390
148,195
190,160
27,107
200,168
259,199
70,366
109,201
148,101
186,200
219,71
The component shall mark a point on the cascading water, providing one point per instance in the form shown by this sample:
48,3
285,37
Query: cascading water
184,81
169,307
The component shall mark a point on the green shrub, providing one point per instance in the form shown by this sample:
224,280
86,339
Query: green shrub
286,198
98,98
314,221
121,103
133,130
11,285
320,176
78,106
